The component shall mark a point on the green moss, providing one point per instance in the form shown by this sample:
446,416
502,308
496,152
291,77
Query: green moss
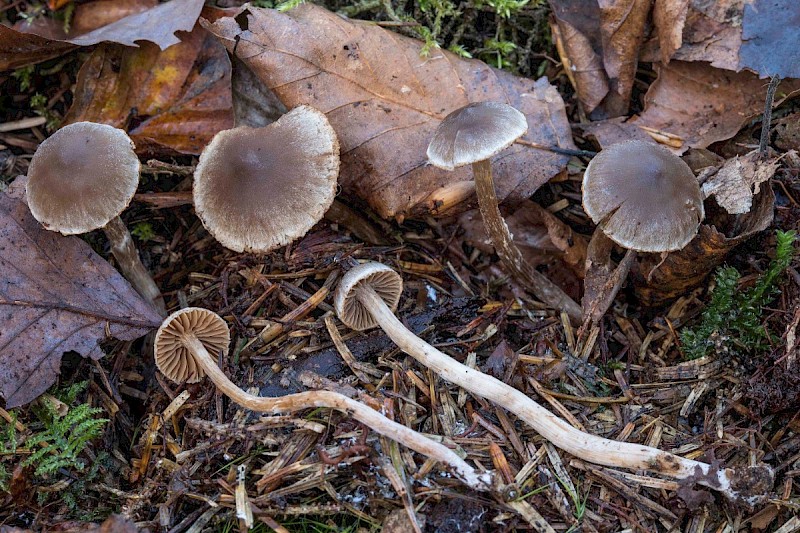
732,320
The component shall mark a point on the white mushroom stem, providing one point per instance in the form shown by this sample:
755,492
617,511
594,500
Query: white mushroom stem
500,236
130,264
332,400
585,446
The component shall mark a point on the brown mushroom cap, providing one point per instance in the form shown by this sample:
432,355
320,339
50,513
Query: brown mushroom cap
259,188
385,281
173,358
81,177
644,197
475,132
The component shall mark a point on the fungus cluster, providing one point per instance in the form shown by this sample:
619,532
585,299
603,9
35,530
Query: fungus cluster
259,188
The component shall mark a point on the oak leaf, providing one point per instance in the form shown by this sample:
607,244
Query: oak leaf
385,100
56,295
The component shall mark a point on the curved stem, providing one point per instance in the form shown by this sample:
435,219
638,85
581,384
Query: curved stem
364,414
131,265
496,227
585,446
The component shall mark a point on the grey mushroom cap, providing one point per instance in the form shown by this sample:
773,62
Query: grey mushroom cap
173,358
475,132
643,197
256,189
384,281
81,177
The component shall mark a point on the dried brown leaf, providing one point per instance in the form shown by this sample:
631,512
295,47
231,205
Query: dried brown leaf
601,41
582,62
702,104
622,27
604,277
735,183
173,100
669,17
384,100
760,35
19,49
712,32
613,131
56,295
158,25
93,15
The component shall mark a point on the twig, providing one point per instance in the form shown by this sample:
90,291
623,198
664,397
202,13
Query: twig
767,117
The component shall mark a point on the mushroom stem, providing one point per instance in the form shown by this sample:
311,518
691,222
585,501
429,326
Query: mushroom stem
130,264
585,446
604,284
327,399
497,229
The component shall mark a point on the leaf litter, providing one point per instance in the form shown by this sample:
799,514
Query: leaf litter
640,390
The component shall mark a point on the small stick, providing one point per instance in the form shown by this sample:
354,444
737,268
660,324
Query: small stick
766,119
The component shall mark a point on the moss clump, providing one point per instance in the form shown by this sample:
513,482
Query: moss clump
732,320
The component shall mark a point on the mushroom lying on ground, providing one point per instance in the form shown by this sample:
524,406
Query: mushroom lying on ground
182,347
366,297
80,179
644,198
256,189
473,135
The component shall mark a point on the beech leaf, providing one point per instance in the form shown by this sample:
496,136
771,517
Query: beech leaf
56,295
385,100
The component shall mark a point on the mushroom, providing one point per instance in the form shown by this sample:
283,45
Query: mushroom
256,189
80,179
183,347
366,297
472,135
642,197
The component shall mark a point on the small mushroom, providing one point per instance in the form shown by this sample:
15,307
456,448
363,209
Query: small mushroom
80,179
256,189
183,351
367,296
472,135
642,197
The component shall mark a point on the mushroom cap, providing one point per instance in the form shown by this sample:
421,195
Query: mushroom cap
173,359
474,133
643,197
81,177
385,281
256,189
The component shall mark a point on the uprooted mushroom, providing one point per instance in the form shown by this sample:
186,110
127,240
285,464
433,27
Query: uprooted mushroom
367,296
